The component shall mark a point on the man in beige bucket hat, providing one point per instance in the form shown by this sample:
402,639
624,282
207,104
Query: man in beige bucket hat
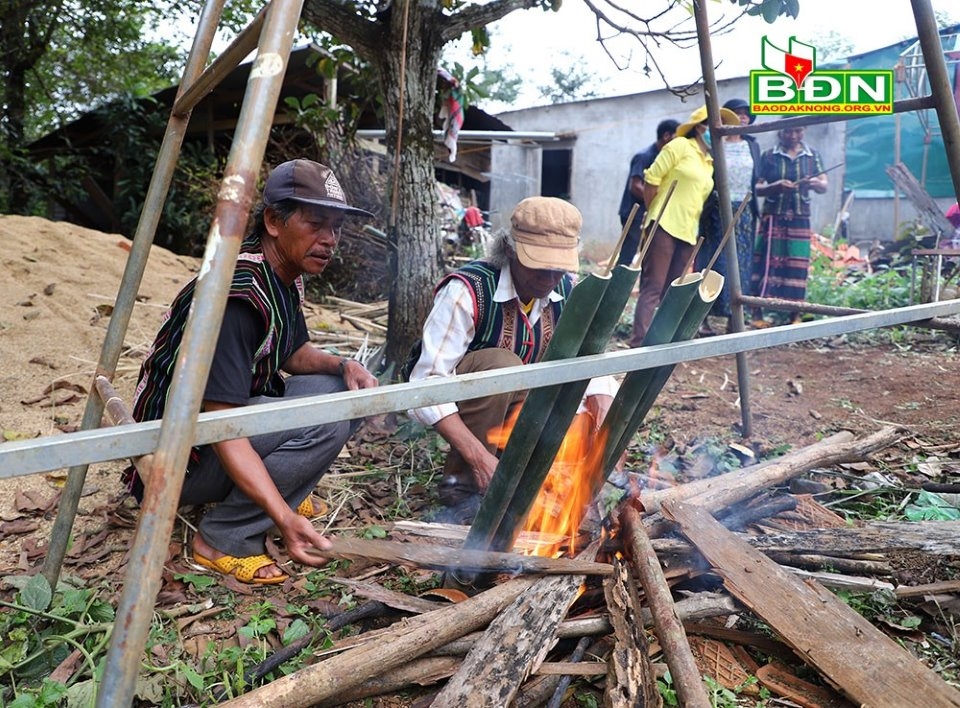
492,313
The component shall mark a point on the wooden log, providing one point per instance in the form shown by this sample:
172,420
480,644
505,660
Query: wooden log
527,541
817,561
568,629
716,493
445,558
419,672
643,559
404,641
797,461
631,680
935,538
117,413
819,627
944,586
836,581
514,645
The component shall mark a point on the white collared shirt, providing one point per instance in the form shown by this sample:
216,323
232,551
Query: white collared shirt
449,329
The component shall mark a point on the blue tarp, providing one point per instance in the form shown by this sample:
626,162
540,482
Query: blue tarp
870,146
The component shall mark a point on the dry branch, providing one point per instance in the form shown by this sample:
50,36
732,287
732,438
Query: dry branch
643,559
444,558
419,672
404,641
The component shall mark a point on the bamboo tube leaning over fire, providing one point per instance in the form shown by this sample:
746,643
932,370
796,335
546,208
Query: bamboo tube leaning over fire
581,306
505,505
663,327
564,410
708,291
636,393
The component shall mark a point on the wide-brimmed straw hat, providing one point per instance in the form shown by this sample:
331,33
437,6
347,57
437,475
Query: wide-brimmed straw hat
546,233
727,117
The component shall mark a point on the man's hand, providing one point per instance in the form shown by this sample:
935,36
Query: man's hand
483,468
300,537
482,462
356,376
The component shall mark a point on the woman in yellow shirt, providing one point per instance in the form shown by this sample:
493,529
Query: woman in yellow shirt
687,160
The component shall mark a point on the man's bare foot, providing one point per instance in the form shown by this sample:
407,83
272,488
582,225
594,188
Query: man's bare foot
201,547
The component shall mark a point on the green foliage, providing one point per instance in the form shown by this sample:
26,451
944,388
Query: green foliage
875,605
570,82
885,288
41,628
667,692
770,10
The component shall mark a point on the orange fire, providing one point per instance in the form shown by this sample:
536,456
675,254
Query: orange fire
567,489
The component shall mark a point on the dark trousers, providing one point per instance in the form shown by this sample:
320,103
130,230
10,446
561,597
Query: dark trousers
666,260
632,240
295,459
485,414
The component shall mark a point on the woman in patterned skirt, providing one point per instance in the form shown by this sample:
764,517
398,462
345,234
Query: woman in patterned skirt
781,257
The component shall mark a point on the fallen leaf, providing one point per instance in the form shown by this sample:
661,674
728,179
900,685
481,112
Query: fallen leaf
19,526
448,594
67,667
10,435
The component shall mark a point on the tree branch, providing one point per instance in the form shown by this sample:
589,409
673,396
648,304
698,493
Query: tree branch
476,16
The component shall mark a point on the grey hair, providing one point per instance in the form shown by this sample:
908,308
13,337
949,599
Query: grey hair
502,249
285,208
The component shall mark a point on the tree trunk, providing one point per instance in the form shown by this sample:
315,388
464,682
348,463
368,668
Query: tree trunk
408,70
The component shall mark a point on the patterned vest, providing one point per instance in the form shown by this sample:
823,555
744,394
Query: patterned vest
503,325
254,282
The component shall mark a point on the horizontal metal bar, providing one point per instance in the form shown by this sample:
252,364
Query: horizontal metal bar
473,135
23,457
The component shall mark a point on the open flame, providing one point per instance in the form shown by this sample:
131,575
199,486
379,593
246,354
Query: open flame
567,490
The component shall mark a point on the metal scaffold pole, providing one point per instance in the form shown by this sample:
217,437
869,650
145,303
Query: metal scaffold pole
732,273
940,90
177,431
130,285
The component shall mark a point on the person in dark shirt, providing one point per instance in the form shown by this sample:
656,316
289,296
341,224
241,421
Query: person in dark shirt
263,353
633,190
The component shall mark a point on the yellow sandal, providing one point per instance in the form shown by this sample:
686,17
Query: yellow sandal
243,569
306,508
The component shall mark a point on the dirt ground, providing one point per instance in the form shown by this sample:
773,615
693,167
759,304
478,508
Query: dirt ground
59,282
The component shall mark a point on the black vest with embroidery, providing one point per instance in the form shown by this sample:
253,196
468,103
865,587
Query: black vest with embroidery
503,324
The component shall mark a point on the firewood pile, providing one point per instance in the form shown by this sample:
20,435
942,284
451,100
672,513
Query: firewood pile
672,580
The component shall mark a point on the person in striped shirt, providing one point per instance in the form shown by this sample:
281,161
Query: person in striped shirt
263,353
